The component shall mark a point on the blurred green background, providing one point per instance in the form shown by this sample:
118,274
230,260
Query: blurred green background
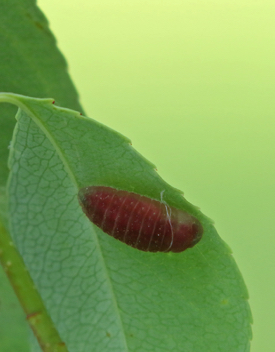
192,84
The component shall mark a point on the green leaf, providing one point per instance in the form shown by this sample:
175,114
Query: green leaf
102,294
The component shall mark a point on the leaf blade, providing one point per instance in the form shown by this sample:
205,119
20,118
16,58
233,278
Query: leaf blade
204,279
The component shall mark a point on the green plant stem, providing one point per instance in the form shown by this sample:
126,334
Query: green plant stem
28,296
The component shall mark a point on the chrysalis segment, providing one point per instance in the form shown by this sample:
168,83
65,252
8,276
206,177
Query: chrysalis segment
140,222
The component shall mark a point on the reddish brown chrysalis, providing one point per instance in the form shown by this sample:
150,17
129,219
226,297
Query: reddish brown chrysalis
140,222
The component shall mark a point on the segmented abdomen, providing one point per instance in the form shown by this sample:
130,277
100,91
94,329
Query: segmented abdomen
141,222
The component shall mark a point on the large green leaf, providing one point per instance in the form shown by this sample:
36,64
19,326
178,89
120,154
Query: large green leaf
102,294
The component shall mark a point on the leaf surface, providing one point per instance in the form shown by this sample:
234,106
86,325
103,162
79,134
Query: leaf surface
101,293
